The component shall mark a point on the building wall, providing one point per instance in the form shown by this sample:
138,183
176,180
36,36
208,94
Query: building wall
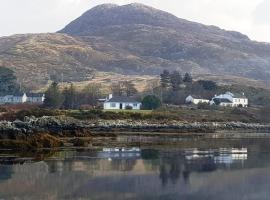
240,101
10,99
226,104
37,100
190,99
197,101
117,106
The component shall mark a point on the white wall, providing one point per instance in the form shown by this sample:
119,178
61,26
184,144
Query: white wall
190,99
197,101
116,106
240,101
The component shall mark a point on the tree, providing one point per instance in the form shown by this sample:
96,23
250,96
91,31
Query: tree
165,79
151,102
8,81
208,85
117,89
176,80
90,94
70,96
53,96
130,89
187,78
124,88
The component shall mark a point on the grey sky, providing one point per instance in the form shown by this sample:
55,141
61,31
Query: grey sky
251,17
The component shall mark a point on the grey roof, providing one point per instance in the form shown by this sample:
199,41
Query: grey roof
197,97
239,96
34,94
221,100
122,99
236,95
18,94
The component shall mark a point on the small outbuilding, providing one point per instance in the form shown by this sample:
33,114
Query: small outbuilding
195,99
121,103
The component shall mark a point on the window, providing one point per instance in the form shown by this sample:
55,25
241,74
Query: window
113,105
135,105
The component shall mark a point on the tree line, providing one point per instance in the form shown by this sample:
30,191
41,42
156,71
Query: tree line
174,80
70,97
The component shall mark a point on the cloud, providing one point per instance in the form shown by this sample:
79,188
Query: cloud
262,14
247,16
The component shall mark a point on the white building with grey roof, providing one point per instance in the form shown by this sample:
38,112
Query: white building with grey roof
230,99
121,103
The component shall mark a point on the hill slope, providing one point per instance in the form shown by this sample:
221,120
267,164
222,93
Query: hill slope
162,40
37,58
132,39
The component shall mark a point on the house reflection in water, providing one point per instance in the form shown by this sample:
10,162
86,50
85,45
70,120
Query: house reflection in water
220,156
114,153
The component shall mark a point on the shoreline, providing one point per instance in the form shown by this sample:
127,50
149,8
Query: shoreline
48,132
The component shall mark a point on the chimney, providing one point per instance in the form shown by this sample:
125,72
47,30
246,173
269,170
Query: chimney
110,96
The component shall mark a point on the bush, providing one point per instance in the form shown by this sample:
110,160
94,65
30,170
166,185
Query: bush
151,102
204,106
129,107
37,112
3,109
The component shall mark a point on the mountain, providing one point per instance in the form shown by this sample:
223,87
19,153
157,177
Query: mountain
160,40
132,39
37,58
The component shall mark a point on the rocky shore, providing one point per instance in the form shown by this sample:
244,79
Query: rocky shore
46,131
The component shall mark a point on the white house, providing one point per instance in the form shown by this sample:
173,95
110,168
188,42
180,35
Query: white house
35,98
230,99
196,99
121,103
13,99
20,98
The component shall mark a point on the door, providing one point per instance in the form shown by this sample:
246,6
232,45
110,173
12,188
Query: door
121,106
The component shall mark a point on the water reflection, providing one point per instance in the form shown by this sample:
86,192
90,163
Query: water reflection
236,172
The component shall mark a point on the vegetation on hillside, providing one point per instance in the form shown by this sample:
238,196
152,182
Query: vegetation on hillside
8,81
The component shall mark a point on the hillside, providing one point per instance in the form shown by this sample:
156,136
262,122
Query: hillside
135,40
160,40
38,58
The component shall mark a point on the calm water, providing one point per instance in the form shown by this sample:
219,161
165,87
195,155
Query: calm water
193,170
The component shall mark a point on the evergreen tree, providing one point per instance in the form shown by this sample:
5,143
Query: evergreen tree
117,89
130,89
8,81
53,96
165,79
187,78
91,93
176,80
124,88
69,95
208,85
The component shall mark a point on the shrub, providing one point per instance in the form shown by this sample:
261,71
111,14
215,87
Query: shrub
151,102
37,112
3,109
203,106
129,107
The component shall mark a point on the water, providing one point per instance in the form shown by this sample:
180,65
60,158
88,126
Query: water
192,169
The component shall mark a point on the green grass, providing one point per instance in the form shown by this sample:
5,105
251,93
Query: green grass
129,111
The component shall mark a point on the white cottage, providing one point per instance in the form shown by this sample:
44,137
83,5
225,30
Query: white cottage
194,99
121,103
35,98
13,99
230,99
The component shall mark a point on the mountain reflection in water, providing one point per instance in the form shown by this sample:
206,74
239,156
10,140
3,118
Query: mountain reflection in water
237,170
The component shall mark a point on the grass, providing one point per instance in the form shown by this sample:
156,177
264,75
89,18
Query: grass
129,111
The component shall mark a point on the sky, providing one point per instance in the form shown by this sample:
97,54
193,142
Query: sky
251,17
